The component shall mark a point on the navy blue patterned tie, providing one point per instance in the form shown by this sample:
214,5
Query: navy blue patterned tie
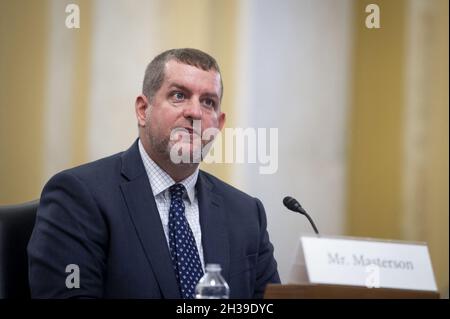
183,249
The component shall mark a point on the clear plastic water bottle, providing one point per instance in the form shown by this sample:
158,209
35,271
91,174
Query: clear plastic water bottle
212,285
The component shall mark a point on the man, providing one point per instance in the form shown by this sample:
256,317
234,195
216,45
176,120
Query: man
142,224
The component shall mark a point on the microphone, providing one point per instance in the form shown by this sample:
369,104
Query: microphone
294,205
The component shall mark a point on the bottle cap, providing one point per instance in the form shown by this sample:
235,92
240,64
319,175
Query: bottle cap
213,267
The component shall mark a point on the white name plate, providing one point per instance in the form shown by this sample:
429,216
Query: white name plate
369,263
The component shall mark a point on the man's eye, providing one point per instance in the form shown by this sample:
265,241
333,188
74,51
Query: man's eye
179,96
209,102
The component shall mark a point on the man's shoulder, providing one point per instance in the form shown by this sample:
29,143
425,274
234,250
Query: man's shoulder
107,169
98,170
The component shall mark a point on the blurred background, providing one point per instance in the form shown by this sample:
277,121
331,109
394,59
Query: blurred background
362,114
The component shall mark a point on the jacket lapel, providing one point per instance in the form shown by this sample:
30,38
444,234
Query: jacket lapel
213,225
145,216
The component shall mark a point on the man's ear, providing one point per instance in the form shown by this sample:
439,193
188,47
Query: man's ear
221,119
141,105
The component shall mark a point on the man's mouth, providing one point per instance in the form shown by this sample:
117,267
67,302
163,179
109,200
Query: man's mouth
178,132
190,130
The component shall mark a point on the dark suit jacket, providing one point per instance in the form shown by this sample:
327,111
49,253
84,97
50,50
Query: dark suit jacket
102,216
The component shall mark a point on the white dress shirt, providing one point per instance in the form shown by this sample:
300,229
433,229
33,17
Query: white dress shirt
160,182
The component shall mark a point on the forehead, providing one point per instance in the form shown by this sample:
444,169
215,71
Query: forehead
191,77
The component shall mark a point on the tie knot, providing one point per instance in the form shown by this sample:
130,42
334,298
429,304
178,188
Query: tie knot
177,191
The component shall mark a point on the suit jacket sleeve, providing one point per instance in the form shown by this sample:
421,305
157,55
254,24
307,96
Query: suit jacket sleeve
69,230
267,266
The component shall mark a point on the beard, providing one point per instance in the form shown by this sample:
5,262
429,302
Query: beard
179,147
160,145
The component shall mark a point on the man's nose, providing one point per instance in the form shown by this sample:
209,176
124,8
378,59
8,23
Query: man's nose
193,110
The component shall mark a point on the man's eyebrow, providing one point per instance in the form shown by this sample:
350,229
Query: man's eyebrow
184,88
179,86
211,94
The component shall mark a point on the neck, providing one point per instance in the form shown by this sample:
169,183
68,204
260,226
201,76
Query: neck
177,172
